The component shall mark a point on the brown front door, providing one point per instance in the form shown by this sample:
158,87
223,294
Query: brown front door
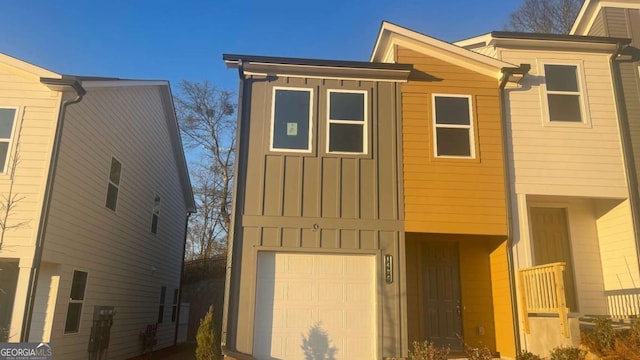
441,294
550,237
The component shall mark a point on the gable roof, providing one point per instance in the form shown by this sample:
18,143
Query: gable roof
590,9
27,67
61,82
391,35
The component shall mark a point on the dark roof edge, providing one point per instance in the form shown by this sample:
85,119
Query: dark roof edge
559,37
317,62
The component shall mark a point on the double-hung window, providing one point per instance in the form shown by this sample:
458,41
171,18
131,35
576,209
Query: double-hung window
163,293
155,214
7,122
291,119
113,186
76,300
347,122
563,94
453,126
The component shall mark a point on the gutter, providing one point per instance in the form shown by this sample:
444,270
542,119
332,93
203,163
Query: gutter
510,73
184,250
625,139
231,273
55,85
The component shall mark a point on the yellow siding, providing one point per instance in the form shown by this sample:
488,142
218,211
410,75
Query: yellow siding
475,282
463,196
502,314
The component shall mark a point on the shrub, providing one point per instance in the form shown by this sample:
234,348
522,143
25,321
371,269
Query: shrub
526,355
208,346
478,353
568,353
426,350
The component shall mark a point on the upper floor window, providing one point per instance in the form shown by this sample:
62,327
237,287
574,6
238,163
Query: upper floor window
7,121
291,119
453,126
563,93
155,214
347,121
76,300
114,184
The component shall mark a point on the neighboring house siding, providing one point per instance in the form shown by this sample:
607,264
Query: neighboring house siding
617,245
37,113
626,23
598,27
463,196
126,264
559,159
317,202
37,108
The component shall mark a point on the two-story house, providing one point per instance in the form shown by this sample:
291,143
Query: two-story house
93,239
458,283
370,205
570,200
318,222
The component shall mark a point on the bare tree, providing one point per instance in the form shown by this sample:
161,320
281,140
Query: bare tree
208,126
544,16
9,200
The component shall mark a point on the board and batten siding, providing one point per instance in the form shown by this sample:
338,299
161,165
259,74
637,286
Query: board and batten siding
316,202
125,262
463,196
565,160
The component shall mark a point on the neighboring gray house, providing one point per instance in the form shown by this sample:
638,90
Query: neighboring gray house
98,166
318,221
621,18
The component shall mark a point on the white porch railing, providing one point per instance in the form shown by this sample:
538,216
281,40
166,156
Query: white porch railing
624,303
541,290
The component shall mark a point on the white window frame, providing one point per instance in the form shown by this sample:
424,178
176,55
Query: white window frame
364,123
10,140
109,182
582,94
273,115
71,301
471,127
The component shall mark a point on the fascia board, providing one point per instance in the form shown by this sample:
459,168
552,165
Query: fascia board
590,9
392,35
29,68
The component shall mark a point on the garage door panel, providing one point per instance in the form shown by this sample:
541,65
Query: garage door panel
331,305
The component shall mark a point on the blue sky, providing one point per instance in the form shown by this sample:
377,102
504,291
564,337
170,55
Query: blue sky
177,40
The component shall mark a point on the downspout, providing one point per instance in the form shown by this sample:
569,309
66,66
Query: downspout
184,251
58,85
625,139
507,73
231,272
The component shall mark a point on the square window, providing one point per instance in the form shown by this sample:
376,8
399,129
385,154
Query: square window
453,126
563,93
291,119
347,122
7,122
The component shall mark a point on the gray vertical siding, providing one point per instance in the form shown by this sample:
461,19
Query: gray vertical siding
598,28
319,202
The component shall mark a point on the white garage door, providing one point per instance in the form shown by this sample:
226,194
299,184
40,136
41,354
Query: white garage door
315,307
